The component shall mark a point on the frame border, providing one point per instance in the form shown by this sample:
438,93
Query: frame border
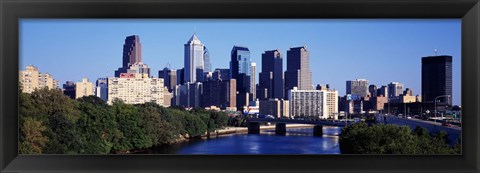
12,10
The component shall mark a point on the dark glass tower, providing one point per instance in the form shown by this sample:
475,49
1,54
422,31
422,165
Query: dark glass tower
240,69
437,79
271,77
298,73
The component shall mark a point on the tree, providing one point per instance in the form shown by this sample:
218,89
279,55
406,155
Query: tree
33,139
63,136
159,130
132,126
194,126
96,126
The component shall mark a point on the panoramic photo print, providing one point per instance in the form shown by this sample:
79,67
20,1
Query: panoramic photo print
238,86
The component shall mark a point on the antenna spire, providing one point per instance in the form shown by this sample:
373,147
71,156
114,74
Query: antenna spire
435,52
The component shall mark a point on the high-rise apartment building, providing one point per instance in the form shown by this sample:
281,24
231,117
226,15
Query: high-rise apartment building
271,83
83,88
313,103
357,87
194,64
136,89
437,79
32,79
298,72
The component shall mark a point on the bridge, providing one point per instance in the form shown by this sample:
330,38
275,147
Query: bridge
281,129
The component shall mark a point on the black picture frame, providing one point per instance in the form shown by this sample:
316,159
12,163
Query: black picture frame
12,10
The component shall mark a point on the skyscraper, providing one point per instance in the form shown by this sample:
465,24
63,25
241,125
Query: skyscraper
194,63
169,78
357,87
298,73
102,88
253,82
240,69
372,89
271,78
132,54
206,60
395,89
383,91
437,79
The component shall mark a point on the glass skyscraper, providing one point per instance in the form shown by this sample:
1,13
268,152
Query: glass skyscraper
194,63
437,79
240,69
271,83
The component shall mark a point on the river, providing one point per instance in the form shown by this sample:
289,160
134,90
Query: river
296,141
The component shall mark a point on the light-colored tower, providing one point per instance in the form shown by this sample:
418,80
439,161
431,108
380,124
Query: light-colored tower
32,79
298,72
83,88
194,61
253,82
395,89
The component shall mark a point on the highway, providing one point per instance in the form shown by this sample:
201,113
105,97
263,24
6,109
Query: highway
454,132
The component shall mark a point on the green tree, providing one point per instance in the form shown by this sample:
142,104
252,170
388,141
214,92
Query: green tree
63,136
130,123
96,126
159,130
32,137
194,126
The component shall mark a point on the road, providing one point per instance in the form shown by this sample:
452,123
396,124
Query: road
454,132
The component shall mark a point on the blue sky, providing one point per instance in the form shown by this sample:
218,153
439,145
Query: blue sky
381,51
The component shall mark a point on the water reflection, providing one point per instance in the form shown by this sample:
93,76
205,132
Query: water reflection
296,141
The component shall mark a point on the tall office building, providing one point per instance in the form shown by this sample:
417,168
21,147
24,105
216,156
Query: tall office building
383,91
240,69
219,93
188,95
395,89
32,79
169,78
357,87
271,78
136,89
206,59
253,82
69,89
194,64
180,76
102,88
132,57
221,74
372,89
83,88
298,72
437,79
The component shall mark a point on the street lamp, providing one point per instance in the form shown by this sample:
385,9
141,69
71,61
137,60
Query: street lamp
448,96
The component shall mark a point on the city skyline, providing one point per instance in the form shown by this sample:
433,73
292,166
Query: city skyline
327,68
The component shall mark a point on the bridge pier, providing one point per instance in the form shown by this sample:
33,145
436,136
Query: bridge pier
280,129
318,130
253,128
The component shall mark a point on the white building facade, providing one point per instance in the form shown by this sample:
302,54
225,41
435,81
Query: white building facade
313,103
136,89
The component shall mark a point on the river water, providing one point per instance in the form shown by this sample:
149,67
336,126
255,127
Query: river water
296,141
